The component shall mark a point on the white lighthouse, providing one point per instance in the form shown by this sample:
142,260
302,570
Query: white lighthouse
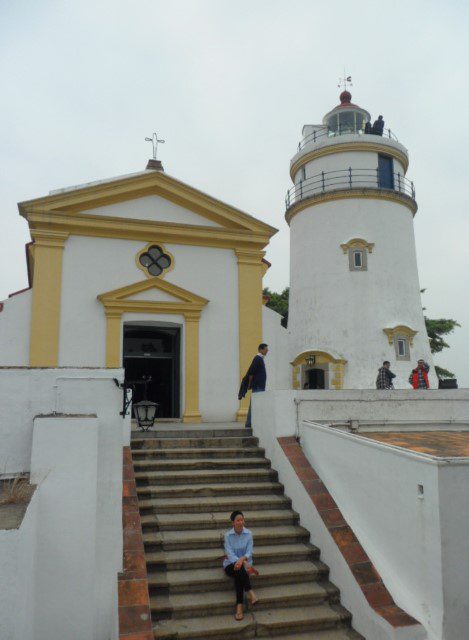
355,294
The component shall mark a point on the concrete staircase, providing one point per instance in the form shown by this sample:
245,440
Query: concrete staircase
188,482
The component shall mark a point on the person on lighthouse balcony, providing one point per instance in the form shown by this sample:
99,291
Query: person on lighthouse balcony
419,376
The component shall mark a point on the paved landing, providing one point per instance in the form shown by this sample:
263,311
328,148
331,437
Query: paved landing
441,444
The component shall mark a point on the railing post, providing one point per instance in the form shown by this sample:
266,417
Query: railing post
350,176
413,190
377,177
323,183
399,180
301,189
314,135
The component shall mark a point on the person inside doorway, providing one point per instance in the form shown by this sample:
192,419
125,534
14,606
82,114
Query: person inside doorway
257,376
238,561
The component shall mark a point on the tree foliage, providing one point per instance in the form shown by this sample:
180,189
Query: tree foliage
436,329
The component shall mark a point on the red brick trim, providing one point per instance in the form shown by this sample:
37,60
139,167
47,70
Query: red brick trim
134,601
15,293
362,568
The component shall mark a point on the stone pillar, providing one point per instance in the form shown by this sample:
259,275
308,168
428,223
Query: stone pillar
191,404
46,297
113,339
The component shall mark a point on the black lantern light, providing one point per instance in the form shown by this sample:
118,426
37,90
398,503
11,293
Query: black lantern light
145,410
311,360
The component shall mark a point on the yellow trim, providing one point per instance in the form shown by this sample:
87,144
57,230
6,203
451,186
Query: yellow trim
81,224
400,330
365,193
336,370
141,185
249,313
346,147
357,243
188,304
46,294
164,250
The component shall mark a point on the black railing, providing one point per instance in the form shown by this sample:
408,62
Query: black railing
342,130
349,179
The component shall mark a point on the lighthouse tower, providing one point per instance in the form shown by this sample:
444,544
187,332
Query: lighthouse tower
354,286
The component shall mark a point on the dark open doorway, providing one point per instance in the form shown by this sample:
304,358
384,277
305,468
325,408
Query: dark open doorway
154,351
316,378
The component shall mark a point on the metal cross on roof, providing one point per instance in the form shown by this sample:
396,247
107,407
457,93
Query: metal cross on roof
154,141
344,81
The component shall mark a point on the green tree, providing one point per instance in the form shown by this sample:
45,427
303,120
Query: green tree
436,329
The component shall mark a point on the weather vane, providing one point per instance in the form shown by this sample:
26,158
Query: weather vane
154,141
344,81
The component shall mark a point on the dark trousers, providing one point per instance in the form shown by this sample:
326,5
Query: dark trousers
241,580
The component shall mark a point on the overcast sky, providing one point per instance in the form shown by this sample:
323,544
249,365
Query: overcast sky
229,86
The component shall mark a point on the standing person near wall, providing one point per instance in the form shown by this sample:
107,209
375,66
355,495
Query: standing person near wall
418,377
256,376
385,376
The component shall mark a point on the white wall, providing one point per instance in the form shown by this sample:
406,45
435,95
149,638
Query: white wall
15,321
276,362
153,208
77,529
209,272
274,415
335,309
419,546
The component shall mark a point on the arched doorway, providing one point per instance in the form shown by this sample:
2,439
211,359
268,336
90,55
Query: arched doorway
316,369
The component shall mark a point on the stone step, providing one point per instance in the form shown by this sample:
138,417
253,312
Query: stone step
334,634
208,520
209,476
182,431
198,452
219,504
212,538
189,442
196,604
270,623
189,464
192,580
206,558
206,489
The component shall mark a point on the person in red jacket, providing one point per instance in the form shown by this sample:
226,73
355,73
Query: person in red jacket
419,376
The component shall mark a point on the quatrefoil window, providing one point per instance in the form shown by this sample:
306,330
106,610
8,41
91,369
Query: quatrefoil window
155,260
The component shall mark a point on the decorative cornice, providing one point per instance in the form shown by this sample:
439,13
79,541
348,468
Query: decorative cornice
400,330
344,147
359,243
249,256
341,194
144,184
81,224
49,238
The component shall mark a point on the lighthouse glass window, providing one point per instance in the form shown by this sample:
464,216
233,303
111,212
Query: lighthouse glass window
401,345
357,260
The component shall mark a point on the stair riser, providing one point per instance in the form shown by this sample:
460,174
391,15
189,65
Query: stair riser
217,477
206,452
213,491
212,507
188,441
225,609
204,544
209,524
154,567
221,584
175,465
265,631
182,432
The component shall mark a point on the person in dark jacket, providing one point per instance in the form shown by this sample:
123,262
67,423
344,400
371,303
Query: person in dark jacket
419,376
385,376
378,126
257,376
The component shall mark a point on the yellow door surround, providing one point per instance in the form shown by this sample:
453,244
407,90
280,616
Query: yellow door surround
337,367
188,304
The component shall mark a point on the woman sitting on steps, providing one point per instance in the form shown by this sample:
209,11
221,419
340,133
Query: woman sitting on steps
238,561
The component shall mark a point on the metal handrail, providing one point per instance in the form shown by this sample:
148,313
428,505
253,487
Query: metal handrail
349,179
343,130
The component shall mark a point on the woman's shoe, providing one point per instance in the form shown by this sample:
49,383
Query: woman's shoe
239,615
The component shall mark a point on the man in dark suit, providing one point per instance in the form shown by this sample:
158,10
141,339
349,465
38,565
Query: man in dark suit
257,376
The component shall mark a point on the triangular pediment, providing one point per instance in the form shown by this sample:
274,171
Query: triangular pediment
87,197
153,295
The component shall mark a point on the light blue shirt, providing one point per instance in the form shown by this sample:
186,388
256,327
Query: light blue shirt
237,546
